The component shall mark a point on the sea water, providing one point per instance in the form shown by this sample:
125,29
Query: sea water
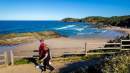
68,29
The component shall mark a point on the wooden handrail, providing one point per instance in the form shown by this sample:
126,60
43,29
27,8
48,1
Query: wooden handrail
5,59
125,40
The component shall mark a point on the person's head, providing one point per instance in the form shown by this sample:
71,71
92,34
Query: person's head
41,40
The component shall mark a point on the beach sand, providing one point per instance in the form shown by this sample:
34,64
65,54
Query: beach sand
59,46
119,29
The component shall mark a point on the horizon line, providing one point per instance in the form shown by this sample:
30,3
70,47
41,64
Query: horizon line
56,19
29,20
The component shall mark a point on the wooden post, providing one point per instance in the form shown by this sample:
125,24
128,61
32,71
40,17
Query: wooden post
128,68
6,58
121,44
12,57
85,48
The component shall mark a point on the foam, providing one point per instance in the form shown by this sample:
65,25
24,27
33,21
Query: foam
65,27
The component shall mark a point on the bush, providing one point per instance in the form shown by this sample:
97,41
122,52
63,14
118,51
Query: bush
118,64
21,61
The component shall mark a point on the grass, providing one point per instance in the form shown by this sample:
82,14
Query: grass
104,50
89,57
21,61
61,59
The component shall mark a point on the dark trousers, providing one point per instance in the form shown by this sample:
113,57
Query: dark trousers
47,65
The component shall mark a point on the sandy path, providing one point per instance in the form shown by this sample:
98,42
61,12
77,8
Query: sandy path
27,68
30,68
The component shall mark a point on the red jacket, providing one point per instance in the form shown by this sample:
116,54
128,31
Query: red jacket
42,50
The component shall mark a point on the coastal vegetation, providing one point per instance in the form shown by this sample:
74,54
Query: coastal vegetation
115,63
122,21
118,62
17,38
71,20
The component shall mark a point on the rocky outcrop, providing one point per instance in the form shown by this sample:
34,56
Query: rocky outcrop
17,38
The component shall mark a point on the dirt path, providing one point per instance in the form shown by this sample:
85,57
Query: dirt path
60,65
25,68
30,68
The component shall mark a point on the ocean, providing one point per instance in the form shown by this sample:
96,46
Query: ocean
68,29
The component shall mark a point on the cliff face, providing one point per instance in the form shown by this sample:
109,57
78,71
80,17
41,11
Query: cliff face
122,21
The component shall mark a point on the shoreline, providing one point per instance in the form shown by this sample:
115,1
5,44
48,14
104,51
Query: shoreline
118,29
62,45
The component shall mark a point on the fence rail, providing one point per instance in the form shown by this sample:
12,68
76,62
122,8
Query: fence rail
104,43
4,59
101,53
121,46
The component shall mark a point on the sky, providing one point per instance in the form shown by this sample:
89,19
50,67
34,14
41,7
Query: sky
59,9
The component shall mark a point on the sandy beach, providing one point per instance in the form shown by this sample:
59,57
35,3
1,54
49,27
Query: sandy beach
119,29
61,45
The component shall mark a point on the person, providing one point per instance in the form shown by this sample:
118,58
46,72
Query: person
45,56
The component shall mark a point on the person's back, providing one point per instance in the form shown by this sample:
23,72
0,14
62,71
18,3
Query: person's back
44,55
42,50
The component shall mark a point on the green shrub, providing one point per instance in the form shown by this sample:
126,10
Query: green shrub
21,61
89,57
118,64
